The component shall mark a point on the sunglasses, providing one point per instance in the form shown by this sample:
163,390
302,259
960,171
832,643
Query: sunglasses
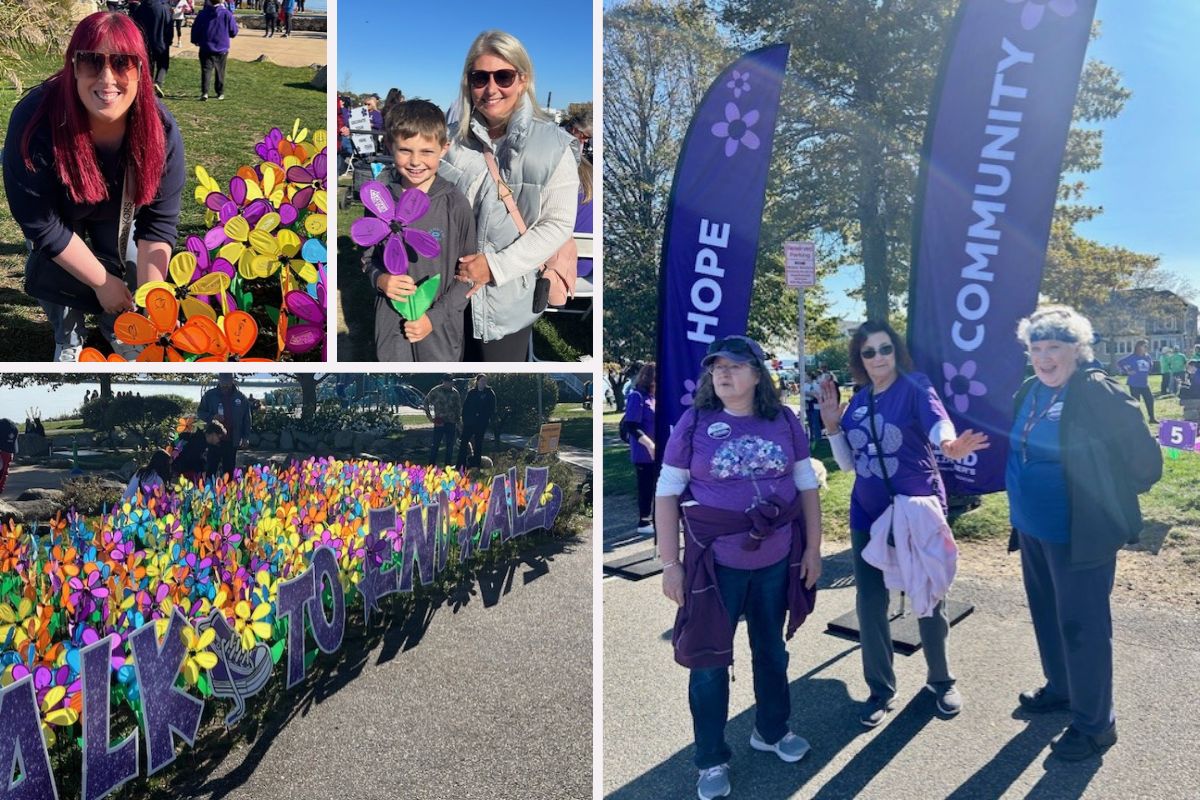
870,352
89,64
478,78
733,344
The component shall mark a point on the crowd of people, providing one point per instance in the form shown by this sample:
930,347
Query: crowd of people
738,472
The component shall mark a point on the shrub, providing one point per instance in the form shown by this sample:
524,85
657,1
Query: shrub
90,496
151,419
517,402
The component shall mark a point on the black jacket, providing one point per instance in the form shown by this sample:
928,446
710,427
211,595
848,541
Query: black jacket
1108,458
154,18
479,407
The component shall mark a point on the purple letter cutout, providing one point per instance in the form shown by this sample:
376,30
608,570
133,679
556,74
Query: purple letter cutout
22,747
104,768
293,597
327,631
165,708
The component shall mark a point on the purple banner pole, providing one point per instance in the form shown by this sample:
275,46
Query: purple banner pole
713,220
988,185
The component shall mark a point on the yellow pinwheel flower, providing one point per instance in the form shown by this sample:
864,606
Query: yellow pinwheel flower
186,287
239,250
275,253
198,656
249,623
12,623
54,714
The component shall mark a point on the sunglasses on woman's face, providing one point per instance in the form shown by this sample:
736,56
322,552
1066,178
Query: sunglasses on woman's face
478,78
89,64
870,352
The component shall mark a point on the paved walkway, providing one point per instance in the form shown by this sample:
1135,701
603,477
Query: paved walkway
301,49
988,751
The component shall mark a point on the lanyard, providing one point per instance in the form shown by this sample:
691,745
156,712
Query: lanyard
1033,418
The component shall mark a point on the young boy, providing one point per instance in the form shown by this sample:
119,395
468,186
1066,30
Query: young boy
416,133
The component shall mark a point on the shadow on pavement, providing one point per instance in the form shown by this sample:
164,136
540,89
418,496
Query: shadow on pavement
400,627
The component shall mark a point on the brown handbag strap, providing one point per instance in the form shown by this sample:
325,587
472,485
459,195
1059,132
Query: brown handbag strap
506,194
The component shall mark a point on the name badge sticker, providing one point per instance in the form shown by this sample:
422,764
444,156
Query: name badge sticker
719,430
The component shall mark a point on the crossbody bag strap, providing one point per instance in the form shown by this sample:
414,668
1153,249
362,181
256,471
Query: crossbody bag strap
126,227
878,445
506,194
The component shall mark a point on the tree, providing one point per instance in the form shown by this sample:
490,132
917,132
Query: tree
855,108
517,402
309,381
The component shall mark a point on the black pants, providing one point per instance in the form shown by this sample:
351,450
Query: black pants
1147,397
447,432
513,347
470,446
647,476
222,458
270,24
212,62
287,24
159,64
178,31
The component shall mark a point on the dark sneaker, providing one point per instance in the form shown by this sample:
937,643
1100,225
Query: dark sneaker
1041,701
949,699
1076,746
791,748
714,782
875,709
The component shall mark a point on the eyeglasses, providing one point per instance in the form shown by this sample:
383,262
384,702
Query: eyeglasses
728,369
870,352
89,64
478,78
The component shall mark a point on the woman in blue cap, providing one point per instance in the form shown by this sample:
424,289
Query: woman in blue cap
737,469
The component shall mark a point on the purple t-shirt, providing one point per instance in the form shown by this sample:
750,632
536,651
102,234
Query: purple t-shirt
1137,368
905,412
732,461
639,410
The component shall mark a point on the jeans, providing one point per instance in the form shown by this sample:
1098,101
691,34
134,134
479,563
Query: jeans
815,425
1146,396
446,431
760,594
269,25
70,324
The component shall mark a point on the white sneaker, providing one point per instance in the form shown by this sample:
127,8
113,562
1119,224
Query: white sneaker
67,352
714,782
645,529
791,748
129,352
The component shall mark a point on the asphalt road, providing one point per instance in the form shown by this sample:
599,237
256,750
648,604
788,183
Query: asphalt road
486,694
988,751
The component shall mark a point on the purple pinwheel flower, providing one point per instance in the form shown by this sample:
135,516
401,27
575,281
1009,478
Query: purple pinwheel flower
735,130
391,222
86,592
961,384
689,392
310,178
311,332
268,148
1034,10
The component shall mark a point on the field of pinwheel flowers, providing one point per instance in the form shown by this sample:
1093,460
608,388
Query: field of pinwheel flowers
223,139
224,546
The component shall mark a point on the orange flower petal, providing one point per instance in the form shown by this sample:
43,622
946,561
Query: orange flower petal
240,331
163,309
133,328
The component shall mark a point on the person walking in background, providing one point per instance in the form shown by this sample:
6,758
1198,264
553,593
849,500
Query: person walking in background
886,436
637,428
1079,456
154,18
443,406
1137,366
1176,363
227,404
811,392
288,9
270,9
213,28
179,14
8,448
478,408
1164,370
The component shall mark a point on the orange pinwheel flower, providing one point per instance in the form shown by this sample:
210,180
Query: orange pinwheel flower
159,329
230,338
94,356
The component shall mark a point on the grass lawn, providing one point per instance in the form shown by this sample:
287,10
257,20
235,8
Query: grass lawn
218,135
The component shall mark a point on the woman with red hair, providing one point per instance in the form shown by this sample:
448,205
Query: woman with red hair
86,154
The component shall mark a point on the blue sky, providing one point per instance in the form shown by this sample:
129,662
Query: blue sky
419,46
1151,164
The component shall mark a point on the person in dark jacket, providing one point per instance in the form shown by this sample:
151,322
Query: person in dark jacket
154,18
742,456
478,408
1079,456
638,423
226,403
194,458
270,9
212,29
417,136
8,448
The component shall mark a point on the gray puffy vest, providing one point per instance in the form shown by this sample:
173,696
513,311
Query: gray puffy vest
526,157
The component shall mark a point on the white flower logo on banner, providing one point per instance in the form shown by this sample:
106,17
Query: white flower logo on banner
739,83
735,130
1034,10
689,392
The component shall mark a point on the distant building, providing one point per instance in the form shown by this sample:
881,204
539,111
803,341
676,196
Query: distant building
1161,317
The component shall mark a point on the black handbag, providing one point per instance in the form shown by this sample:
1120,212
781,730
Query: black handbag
49,281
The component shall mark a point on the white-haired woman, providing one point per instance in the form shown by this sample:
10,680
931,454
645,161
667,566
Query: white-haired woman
1079,456
502,129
